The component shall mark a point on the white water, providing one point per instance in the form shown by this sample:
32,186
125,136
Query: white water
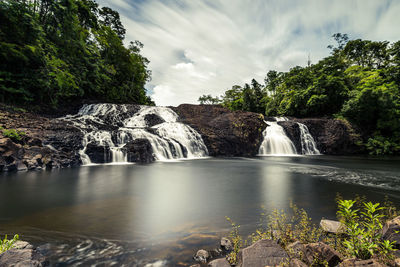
308,145
275,140
122,123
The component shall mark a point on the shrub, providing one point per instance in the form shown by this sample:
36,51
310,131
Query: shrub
364,230
6,244
236,239
15,135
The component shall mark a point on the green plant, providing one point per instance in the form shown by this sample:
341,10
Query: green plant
237,242
13,134
364,230
6,244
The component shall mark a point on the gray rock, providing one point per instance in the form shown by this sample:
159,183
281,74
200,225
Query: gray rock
22,245
360,263
201,256
262,253
219,263
331,226
21,258
391,231
295,249
297,263
226,244
321,252
21,167
139,150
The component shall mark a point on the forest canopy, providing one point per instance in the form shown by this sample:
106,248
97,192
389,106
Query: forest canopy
359,81
54,51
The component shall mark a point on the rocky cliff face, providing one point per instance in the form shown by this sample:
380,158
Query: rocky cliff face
224,132
47,143
333,137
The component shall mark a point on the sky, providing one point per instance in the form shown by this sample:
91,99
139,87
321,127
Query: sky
198,47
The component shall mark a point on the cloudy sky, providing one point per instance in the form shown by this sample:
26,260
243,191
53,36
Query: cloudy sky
198,47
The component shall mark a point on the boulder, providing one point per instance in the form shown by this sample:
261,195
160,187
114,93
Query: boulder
225,133
321,252
226,244
139,150
295,249
331,226
397,262
219,263
263,253
153,119
21,166
391,231
21,257
292,131
360,263
297,263
98,153
201,256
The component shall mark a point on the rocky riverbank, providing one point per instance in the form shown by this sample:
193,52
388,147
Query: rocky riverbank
272,252
46,142
23,254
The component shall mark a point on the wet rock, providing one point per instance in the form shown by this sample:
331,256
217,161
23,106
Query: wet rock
263,253
219,263
321,252
226,244
391,231
331,226
333,137
225,132
153,119
21,167
34,142
21,257
297,263
139,150
98,153
201,256
360,263
292,131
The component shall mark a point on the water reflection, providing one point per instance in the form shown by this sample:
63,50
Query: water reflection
162,210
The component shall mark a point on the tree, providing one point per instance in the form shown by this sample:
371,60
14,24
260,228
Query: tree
209,99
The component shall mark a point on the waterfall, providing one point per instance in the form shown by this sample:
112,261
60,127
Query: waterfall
308,145
275,140
112,126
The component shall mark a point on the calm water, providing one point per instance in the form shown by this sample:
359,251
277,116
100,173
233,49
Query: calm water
164,212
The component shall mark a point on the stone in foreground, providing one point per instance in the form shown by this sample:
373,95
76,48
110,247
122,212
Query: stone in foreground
226,244
219,263
21,257
321,252
201,256
263,253
360,263
331,226
391,231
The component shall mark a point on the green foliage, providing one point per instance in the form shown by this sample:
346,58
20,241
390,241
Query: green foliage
63,50
287,228
364,228
6,244
15,135
208,99
359,81
237,243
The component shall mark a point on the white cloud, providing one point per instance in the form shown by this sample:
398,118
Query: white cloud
205,47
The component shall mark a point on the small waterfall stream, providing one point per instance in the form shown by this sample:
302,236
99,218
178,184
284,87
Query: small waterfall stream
113,126
276,142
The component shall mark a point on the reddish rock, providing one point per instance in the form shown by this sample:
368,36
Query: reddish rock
263,253
361,263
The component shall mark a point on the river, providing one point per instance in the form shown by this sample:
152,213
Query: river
161,213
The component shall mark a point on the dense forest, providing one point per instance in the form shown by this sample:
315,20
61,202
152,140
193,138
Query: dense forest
53,52
359,81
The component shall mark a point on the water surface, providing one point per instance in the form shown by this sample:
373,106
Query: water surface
163,212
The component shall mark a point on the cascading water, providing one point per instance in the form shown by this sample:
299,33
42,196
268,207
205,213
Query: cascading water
113,126
275,140
308,145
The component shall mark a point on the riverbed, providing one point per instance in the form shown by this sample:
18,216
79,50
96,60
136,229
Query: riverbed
161,213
